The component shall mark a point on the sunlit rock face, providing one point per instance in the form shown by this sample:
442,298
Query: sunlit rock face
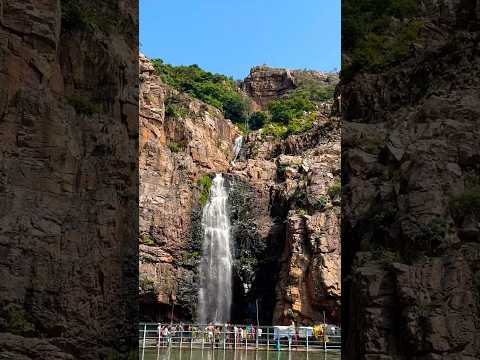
284,222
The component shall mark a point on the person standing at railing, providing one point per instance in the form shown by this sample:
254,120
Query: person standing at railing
210,332
166,335
252,332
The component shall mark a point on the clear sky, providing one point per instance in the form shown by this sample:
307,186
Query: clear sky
231,36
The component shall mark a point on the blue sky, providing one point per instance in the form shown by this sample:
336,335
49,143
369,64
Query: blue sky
231,36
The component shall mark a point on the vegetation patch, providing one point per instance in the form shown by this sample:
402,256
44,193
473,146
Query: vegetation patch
205,183
214,89
302,124
176,147
83,105
321,203
147,239
190,258
146,284
377,33
176,111
468,202
275,129
81,16
335,189
17,320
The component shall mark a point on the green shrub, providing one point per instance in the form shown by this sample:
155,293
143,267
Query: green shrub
257,120
147,240
17,320
189,258
243,128
83,105
176,111
205,183
302,124
236,108
284,110
314,91
146,284
176,147
335,189
80,16
214,89
321,203
372,38
275,129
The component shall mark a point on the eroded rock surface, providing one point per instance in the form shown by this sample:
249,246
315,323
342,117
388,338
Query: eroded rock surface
410,149
68,181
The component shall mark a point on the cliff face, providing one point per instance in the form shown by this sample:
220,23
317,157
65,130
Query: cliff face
181,141
264,83
284,241
295,182
411,232
68,181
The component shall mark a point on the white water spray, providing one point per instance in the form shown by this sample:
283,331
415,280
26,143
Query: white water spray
237,147
215,294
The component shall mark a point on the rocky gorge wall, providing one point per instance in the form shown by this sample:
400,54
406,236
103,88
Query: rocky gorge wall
410,197
68,179
285,225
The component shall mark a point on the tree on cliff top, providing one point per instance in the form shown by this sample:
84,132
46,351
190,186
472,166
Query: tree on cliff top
214,89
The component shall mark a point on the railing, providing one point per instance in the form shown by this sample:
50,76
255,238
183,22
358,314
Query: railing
238,337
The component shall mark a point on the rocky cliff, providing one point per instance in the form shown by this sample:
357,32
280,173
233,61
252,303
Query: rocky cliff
182,142
283,199
264,83
68,179
411,196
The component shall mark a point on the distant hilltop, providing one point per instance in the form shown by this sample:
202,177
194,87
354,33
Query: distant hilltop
265,83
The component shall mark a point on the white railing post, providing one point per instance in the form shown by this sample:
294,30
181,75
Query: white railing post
181,337
246,339
144,339
268,338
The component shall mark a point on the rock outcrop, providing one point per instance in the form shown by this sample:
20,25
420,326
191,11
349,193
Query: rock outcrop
411,212
68,180
265,84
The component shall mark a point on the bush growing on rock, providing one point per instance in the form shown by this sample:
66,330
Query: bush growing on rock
468,202
285,110
376,38
335,189
175,147
257,120
321,203
214,89
205,183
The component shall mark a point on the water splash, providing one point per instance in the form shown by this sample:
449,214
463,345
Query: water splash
237,147
215,294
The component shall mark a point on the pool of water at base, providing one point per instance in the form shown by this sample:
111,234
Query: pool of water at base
197,354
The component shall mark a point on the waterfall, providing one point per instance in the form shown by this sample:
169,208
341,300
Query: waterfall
215,294
237,147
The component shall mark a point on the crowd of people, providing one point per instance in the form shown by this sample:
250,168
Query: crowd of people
228,334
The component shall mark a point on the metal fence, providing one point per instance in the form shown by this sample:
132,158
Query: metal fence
239,337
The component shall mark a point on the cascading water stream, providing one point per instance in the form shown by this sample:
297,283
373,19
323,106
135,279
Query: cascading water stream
237,147
215,294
